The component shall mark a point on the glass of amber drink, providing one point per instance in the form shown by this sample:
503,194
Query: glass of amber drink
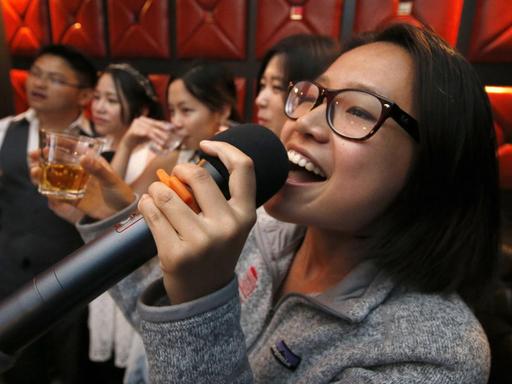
62,176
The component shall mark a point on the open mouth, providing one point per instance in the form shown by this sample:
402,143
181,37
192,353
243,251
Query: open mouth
99,120
303,170
37,95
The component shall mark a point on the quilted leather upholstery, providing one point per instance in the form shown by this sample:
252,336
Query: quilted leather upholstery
211,28
78,23
505,161
277,19
138,28
491,38
159,82
18,79
501,102
443,16
240,95
26,25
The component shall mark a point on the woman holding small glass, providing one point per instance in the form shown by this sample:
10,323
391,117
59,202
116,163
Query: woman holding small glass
201,102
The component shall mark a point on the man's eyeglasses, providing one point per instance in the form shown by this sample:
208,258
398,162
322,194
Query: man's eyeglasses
53,78
354,114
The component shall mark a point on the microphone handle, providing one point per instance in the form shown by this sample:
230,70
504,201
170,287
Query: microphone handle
74,282
84,274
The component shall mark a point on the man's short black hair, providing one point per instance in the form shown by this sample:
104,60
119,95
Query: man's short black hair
79,62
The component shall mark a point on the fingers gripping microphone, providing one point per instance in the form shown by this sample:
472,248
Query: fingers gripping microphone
95,267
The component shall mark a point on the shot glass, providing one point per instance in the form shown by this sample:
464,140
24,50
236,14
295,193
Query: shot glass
62,176
173,139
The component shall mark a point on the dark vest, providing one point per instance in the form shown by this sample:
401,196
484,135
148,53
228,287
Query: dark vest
32,237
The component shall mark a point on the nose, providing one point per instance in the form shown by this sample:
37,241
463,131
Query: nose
39,81
262,99
98,105
313,124
177,120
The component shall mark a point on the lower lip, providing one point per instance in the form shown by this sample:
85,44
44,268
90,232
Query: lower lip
37,96
294,182
99,121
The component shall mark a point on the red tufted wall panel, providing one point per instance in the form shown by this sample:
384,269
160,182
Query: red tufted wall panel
505,163
443,16
159,82
277,19
135,30
18,80
138,28
491,39
211,28
26,25
78,23
240,83
501,102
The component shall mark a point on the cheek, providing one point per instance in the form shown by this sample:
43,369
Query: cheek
94,107
286,130
277,107
115,112
28,84
367,185
206,124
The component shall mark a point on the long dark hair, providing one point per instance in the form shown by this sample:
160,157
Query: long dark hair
305,56
442,232
212,84
136,93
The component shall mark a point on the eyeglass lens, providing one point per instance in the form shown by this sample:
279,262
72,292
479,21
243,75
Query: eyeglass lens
351,113
53,78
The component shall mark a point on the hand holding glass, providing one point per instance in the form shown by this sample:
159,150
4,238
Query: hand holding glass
62,176
166,139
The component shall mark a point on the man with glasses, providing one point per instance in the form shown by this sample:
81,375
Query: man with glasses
32,238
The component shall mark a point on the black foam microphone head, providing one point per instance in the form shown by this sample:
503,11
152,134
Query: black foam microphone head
266,151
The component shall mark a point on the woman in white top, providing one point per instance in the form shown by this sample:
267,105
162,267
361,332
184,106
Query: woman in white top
123,99
201,102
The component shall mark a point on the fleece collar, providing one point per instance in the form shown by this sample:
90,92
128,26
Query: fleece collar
352,299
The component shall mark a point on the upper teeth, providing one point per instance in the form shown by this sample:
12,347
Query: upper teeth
301,161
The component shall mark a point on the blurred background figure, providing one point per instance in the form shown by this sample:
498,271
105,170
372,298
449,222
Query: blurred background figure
201,101
297,57
122,97
32,238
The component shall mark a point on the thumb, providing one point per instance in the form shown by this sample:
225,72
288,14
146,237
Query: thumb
98,167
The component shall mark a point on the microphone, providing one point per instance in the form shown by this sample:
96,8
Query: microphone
86,273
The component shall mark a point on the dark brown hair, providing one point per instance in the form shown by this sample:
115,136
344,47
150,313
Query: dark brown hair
442,232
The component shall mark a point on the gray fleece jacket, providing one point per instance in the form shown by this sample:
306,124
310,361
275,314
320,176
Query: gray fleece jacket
363,330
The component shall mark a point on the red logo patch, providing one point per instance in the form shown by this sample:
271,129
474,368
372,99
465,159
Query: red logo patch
247,283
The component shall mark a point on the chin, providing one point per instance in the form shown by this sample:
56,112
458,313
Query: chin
278,208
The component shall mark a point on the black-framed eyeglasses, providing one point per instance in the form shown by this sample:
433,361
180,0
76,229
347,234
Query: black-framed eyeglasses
354,114
53,79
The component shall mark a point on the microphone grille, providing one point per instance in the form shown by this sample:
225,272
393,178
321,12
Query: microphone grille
266,151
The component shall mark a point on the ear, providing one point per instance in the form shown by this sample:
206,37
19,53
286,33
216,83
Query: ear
85,96
224,114
144,111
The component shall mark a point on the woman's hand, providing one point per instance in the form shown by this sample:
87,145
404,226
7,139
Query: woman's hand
143,129
198,252
106,192
65,209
